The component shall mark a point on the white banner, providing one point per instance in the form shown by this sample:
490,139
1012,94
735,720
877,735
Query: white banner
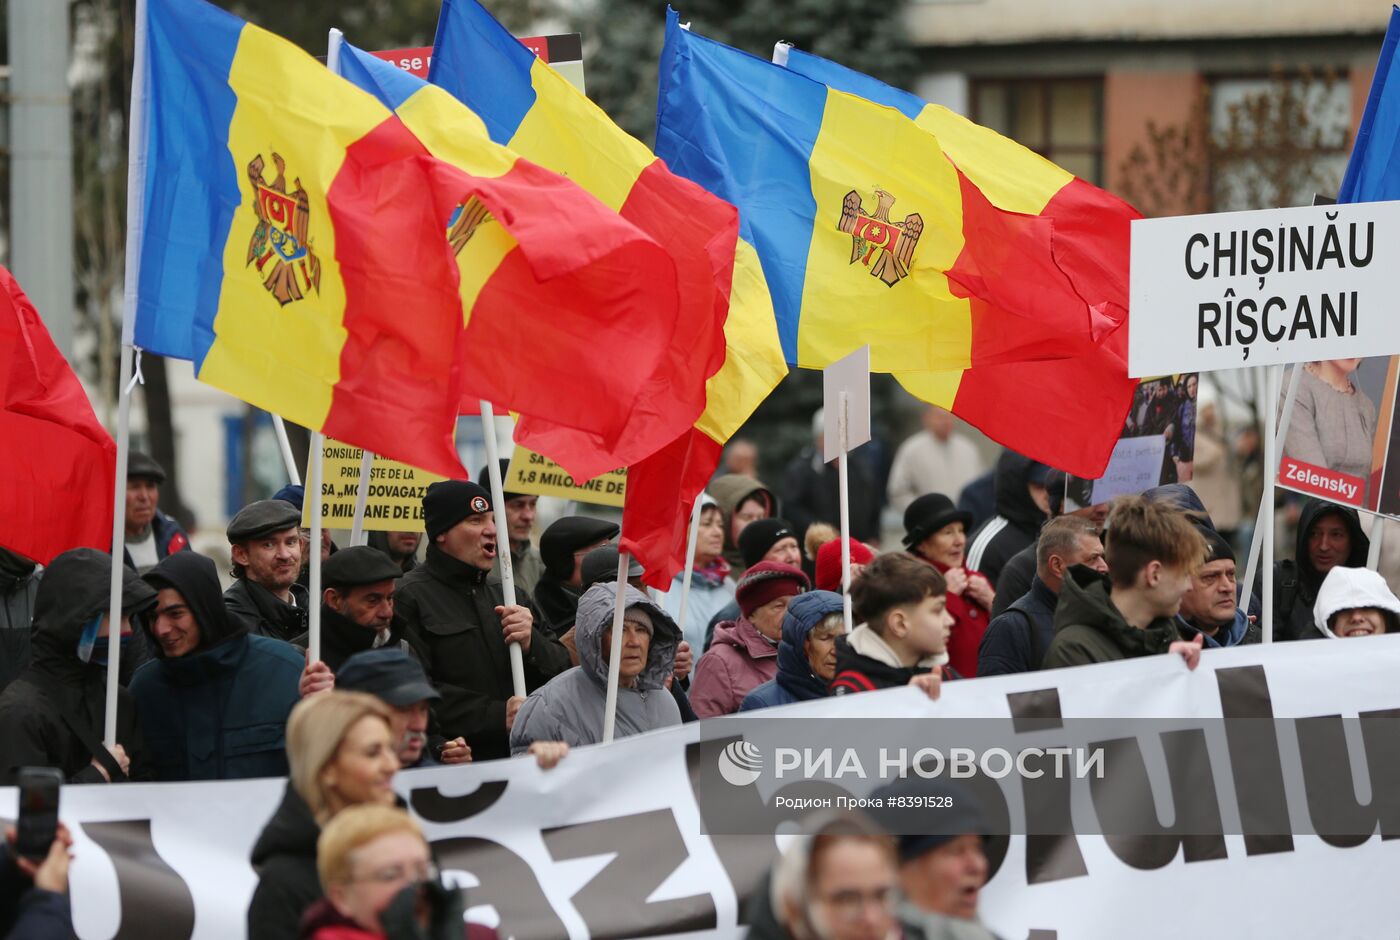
1235,289
612,841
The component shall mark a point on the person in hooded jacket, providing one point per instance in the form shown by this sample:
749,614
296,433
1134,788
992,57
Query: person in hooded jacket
744,654
562,547
1022,506
741,500
19,585
215,700
1355,602
806,653
52,715
1329,536
570,707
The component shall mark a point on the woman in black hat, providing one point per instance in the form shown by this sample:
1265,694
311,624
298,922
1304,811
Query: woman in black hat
936,532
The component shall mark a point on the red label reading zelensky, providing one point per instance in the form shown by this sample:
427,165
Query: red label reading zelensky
1335,486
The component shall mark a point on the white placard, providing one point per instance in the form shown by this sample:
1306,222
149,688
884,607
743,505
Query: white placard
852,376
1274,286
1136,465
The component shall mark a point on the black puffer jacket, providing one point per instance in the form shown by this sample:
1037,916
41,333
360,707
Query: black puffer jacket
265,614
1016,524
285,859
58,702
451,614
1296,582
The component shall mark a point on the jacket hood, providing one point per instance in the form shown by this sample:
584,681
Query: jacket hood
197,580
595,615
1182,497
803,614
1085,600
75,589
1314,510
729,492
1350,588
1014,500
292,830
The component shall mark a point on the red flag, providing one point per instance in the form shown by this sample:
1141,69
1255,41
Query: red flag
57,476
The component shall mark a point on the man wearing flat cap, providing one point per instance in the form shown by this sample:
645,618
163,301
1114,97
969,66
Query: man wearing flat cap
460,626
265,542
525,562
397,679
357,606
563,547
151,535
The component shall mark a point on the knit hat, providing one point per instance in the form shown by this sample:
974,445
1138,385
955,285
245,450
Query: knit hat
929,513
923,814
829,562
448,502
1217,549
768,581
759,537
293,493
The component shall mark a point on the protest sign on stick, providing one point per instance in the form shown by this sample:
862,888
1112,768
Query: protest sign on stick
846,404
393,496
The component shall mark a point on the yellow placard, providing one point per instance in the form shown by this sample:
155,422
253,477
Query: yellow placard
538,475
395,502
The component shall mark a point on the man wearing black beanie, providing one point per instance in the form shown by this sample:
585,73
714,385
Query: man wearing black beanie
461,628
1210,608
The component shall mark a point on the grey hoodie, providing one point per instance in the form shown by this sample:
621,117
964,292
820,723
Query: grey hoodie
570,706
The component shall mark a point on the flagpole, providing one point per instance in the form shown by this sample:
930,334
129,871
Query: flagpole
689,561
1373,557
841,468
493,473
615,650
1258,544
285,445
135,220
357,528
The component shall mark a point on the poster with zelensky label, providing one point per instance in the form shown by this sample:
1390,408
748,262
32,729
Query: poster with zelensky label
1157,446
1338,435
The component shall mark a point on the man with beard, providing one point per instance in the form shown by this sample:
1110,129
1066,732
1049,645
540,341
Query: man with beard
461,627
265,542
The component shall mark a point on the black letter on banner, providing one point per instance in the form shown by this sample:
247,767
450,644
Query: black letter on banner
1128,815
430,803
1052,851
1254,759
649,849
507,883
1336,815
155,901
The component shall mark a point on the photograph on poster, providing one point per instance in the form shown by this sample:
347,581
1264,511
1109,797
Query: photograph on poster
1334,445
1157,445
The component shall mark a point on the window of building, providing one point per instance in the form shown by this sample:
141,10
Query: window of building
1059,118
1278,141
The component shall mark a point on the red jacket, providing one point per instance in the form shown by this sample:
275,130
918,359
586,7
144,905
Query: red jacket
323,922
970,620
738,661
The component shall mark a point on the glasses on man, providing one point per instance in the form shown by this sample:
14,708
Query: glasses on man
391,874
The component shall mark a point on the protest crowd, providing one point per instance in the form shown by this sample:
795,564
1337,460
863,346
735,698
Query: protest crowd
338,662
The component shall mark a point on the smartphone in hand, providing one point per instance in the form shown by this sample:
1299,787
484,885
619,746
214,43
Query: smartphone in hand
38,811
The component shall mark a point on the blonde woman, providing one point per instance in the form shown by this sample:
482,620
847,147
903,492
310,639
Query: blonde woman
342,753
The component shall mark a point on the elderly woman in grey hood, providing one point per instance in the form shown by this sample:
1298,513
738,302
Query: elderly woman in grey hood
569,708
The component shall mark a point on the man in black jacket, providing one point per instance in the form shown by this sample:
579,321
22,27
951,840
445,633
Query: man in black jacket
1022,506
265,542
562,548
52,715
461,628
1328,536
357,609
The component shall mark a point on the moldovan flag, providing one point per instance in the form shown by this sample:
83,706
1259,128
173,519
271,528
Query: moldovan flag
966,262
292,237
724,358
533,345
57,473
1373,172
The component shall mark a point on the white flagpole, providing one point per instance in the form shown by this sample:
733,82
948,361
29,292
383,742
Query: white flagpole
285,445
493,472
1373,557
357,528
135,221
689,561
615,648
1262,541
841,466
313,645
